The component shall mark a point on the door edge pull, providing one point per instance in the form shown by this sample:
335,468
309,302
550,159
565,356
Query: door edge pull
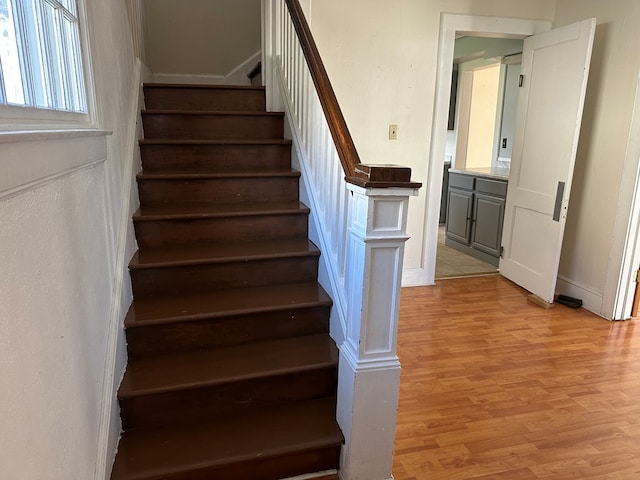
557,210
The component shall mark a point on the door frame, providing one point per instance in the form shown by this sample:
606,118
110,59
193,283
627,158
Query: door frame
624,259
450,25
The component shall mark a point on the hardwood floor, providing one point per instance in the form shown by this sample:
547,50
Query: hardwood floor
494,387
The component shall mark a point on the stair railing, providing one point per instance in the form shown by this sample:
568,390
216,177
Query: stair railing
358,219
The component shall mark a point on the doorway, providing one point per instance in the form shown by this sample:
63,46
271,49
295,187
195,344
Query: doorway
455,26
533,209
479,138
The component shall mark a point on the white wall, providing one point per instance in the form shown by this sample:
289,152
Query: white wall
201,37
509,109
54,309
594,236
64,245
381,57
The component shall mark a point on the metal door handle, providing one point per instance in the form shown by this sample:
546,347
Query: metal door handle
557,210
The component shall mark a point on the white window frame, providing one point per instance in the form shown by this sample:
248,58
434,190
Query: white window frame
29,118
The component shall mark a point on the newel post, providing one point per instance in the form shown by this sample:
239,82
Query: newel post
369,371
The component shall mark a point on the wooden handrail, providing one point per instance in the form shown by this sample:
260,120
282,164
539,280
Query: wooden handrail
379,176
342,138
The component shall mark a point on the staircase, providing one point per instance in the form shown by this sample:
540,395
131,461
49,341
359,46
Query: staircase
232,373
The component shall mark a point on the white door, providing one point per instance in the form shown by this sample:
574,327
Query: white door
555,66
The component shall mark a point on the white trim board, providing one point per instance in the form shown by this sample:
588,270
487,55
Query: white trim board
414,277
450,25
35,159
591,299
237,76
624,258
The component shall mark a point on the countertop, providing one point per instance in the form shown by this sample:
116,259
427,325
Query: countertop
500,173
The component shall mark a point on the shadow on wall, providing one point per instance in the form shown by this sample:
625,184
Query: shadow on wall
587,138
210,39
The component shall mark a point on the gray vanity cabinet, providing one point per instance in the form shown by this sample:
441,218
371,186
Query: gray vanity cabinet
475,215
487,224
459,214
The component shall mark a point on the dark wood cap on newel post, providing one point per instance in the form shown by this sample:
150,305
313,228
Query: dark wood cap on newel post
382,176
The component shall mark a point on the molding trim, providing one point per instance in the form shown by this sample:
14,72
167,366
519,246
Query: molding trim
624,257
592,300
237,76
106,451
28,164
414,277
40,135
350,355
186,78
239,73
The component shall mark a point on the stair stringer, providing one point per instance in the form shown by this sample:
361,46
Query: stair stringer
330,272
110,427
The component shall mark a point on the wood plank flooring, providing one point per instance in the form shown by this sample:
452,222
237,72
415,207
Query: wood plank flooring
494,387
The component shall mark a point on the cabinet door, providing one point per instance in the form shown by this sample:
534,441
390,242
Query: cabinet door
487,224
459,209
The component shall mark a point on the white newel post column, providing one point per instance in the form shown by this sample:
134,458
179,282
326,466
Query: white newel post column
369,371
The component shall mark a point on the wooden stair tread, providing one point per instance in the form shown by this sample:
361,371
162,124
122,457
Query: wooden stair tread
207,367
221,113
190,175
206,86
193,210
210,253
151,453
170,141
148,311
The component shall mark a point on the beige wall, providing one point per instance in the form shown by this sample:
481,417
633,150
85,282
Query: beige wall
201,37
597,196
381,57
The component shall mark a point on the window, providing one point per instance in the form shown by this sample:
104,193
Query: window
40,59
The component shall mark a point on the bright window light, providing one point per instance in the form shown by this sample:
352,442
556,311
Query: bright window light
40,59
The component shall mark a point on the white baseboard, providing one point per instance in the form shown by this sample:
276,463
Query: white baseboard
591,299
237,76
415,277
188,79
